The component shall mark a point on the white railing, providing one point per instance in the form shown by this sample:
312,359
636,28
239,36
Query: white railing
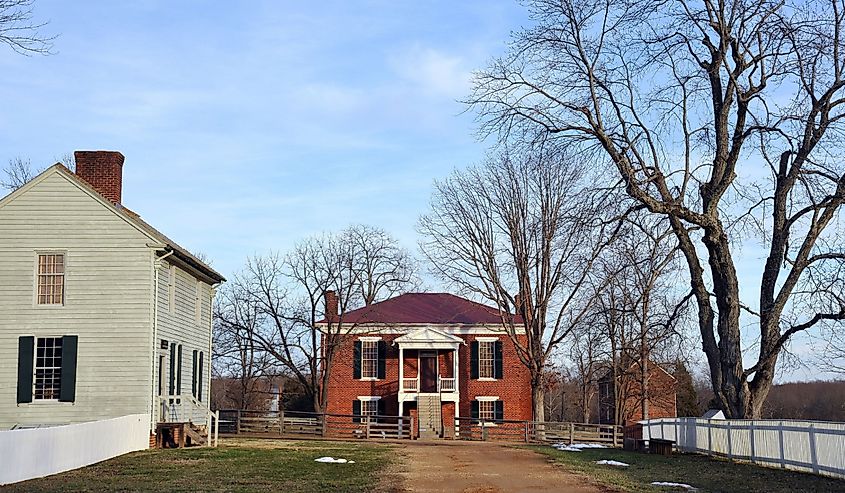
33,453
410,384
446,385
812,446
187,409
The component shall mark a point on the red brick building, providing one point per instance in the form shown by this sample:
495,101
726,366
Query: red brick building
433,356
660,400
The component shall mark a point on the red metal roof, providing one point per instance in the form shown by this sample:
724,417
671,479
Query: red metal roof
425,308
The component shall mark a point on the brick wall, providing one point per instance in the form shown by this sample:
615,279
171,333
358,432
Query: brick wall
514,389
103,170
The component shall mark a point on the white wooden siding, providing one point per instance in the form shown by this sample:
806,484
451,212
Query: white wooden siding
179,324
108,287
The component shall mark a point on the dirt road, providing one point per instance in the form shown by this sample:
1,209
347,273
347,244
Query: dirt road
474,467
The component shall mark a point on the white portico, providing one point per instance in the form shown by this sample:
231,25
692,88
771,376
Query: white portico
436,355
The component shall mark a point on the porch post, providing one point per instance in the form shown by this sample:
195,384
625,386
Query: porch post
401,375
455,374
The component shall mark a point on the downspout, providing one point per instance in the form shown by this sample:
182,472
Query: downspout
154,349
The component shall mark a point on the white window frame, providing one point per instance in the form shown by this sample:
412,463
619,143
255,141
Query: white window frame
365,341
35,368
371,402
491,401
491,341
37,276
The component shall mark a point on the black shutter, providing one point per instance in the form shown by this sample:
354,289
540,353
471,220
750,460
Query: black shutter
382,364
200,380
356,361
172,384
497,365
500,411
382,407
67,388
473,360
26,349
356,411
179,371
194,374
473,412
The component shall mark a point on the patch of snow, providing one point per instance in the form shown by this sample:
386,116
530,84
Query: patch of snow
332,460
612,463
674,485
568,449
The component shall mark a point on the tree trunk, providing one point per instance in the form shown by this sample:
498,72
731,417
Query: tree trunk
537,399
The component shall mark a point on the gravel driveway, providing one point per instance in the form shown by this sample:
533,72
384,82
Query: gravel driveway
476,467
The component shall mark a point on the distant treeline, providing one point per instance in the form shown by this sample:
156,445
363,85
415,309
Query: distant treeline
817,400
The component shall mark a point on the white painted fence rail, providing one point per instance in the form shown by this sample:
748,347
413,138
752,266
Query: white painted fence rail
812,446
34,453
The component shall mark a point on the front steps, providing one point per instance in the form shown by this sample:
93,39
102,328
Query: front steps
431,421
180,435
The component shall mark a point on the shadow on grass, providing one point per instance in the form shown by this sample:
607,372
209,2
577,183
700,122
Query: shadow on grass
702,472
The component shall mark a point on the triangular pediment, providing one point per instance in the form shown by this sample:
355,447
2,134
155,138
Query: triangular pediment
428,335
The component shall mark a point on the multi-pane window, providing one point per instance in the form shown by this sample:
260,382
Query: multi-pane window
487,410
48,368
486,359
369,359
369,408
51,279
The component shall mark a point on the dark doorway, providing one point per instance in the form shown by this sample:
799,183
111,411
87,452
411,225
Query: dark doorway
428,372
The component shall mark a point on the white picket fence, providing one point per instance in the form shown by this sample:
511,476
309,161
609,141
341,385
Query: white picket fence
34,453
812,446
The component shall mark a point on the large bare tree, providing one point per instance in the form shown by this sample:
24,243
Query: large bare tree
521,231
358,266
19,31
724,117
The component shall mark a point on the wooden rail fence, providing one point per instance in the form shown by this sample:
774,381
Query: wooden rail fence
404,427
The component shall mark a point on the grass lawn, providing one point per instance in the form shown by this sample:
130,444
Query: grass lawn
237,465
704,473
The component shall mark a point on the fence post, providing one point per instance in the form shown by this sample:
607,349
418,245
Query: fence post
571,433
281,420
526,431
753,452
483,432
814,455
730,444
613,430
412,432
782,451
367,428
324,424
399,431
238,422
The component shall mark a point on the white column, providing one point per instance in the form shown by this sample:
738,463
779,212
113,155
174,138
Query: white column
401,375
455,374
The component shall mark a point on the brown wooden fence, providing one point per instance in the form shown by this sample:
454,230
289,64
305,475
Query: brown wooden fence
344,426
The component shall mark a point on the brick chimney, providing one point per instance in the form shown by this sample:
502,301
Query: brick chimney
103,170
331,306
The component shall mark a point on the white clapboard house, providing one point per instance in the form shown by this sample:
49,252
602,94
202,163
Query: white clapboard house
101,315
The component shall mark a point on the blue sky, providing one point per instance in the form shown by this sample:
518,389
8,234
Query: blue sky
247,129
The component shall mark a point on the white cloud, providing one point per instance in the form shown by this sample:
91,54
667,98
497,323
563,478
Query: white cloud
432,71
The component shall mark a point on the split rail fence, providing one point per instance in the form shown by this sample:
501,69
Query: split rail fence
404,427
811,446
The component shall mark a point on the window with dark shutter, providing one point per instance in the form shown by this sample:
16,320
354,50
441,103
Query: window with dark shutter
473,412
179,370
473,360
172,382
356,411
194,373
382,362
499,411
200,380
26,350
67,388
498,367
356,361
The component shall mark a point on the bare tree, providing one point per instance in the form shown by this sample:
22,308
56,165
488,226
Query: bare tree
18,173
19,31
289,294
236,356
725,118
521,231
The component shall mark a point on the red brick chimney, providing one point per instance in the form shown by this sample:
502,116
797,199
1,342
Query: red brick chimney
331,306
103,170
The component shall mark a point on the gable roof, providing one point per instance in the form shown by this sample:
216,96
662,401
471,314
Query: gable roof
127,215
426,308
427,334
